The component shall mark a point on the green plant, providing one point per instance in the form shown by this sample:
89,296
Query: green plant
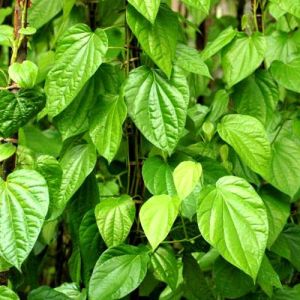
149,148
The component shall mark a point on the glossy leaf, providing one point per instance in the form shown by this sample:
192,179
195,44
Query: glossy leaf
148,8
6,151
230,211
45,292
7,294
290,6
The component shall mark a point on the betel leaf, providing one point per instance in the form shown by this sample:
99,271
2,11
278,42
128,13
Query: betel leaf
7,294
223,39
77,163
148,8
164,266
186,176
23,208
115,217
203,5
42,11
46,293
219,106
24,74
106,122
78,55
16,109
189,59
286,74
158,40
157,175
157,216
248,138
5,12
229,212
242,57
157,106
74,119
118,271
6,151
287,293
257,96
6,35
290,6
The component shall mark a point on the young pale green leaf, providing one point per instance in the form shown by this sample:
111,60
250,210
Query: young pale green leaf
78,55
16,109
158,40
148,8
290,6
248,138
6,151
278,211
257,96
186,176
115,217
74,119
72,290
27,31
157,216
165,267
106,123
287,74
24,201
6,35
157,175
227,214
118,271
77,163
24,74
5,12
250,49
67,7
157,106
189,59
223,39
42,11
7,294
203,5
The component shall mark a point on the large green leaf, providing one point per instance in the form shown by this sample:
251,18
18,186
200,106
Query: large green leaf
157,175
42,11
77,163
203,5
157,216
290,6
118,271
115,217
7,294
186,176
158,40
46,293
16,109
286,74
157,106
287,293
257,96
24,203
227,214
248,138
106,123
148,8
78,55
242,57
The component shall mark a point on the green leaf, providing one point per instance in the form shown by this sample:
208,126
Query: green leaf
227,214
158,40
27,31
157,106
248,138
5,12
157,175
288,245
286,74
257,96
7,294
24,74
287,293
186,176
115,217
6,35
290,6
46,293
67,7
71,290
148,8
118,271
203,5
223,39
24,203
250,49
219,106
42,11
189,59
106,123
157,216
16,109
6,151
77,163
78,55
278,211
165,267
